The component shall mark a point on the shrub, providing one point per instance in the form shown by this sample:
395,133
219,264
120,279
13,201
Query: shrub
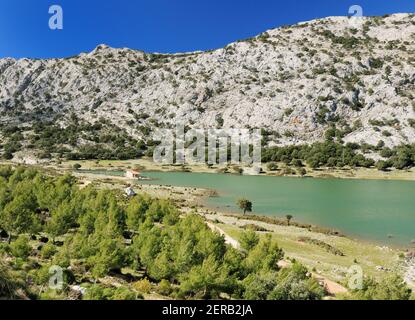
392,287
329,248
383,165
143,286
7,284
301,171
375,63
48,251
21,248
164,287
272,166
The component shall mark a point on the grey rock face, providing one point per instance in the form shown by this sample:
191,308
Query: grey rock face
290,81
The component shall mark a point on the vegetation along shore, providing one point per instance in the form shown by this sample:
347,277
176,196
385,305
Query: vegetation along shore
111,246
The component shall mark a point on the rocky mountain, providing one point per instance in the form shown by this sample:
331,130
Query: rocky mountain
294,82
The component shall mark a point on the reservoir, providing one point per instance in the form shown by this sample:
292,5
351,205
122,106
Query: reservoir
377,210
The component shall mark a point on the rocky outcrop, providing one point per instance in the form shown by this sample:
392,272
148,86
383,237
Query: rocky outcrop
292,81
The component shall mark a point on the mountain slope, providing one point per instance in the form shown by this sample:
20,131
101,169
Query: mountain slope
294,82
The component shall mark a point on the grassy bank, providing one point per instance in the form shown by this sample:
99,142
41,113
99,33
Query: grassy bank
321,255
146,164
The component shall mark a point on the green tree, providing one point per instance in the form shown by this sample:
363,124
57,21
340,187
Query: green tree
19,215
264,256
147,244
158,209
257,286
162,267
62,219
403,159
245,205
233,262
123,293
99,292
111,255
206,281
295,283
289,217
249,240
390,288
136,211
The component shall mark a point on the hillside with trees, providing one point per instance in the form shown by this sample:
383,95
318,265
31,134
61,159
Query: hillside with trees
109,246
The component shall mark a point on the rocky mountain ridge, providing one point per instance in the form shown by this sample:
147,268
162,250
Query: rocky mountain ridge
293,82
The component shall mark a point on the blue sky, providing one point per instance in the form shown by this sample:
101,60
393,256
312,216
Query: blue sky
159,25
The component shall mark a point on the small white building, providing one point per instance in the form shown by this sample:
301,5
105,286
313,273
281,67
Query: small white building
130,192
132,174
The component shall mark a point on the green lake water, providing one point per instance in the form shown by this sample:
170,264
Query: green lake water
367,209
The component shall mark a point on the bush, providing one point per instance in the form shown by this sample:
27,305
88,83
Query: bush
329,248
302,171
99,292
272,166
21,248
95,292
143,286
383,165
48,251
124,294
375,63
7,284
164,287
391,288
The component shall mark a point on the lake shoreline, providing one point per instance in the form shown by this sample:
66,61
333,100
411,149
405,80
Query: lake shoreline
315,228
317,251
204,194
112,166
148,165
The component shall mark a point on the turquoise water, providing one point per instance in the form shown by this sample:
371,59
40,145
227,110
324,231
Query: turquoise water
368,209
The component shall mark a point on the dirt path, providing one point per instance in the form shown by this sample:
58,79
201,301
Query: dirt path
333,288
228,239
